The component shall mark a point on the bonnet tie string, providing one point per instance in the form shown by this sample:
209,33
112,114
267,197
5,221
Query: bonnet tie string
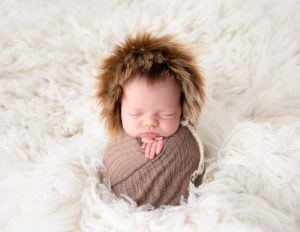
200,169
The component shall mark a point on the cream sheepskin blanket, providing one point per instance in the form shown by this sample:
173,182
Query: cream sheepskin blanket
52,142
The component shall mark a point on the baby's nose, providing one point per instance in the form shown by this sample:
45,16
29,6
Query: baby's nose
150,122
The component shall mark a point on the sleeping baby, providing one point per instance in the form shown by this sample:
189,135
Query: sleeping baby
147,88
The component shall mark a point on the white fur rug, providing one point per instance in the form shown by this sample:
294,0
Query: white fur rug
52,142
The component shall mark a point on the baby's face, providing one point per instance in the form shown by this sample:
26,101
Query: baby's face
151,110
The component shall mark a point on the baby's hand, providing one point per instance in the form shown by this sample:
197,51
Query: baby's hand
152,146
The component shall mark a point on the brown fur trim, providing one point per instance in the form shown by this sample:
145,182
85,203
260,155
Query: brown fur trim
140,54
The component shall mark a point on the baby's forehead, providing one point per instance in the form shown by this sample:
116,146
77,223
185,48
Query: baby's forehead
138,92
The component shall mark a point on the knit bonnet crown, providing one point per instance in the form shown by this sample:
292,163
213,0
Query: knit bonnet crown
145,54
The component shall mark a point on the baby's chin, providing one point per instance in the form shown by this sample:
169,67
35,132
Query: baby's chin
151,134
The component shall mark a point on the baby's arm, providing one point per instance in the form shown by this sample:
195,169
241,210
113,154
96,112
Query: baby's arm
152,146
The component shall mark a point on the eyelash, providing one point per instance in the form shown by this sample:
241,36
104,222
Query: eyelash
160,115
134,114
167,115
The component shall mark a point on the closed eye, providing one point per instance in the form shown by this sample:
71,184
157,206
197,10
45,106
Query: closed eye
167,115
133,114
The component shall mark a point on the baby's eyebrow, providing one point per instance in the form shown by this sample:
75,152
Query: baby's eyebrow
169,108
135,110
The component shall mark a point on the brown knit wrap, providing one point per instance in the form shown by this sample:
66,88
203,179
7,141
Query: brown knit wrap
161,181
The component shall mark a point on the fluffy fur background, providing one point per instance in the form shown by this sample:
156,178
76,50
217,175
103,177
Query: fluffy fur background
51,141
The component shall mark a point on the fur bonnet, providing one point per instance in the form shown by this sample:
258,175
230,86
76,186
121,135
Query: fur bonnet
143,54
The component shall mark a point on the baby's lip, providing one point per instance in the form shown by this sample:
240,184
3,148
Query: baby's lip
149,134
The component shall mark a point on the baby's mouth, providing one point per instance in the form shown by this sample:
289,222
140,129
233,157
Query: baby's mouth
149,134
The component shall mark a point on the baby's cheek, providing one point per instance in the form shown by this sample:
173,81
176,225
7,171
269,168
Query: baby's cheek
130,127
170,127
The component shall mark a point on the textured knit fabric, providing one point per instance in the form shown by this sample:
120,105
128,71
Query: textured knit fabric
161,181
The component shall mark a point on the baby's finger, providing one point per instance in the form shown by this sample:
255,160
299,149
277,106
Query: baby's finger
159,138
144,145
159,147
148,150
153,150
